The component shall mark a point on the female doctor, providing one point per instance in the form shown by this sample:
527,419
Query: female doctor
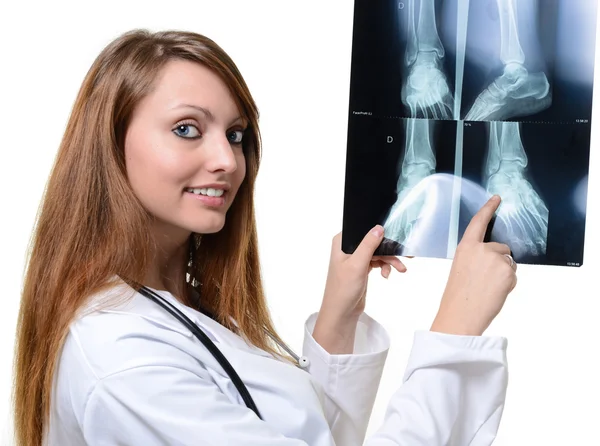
145,260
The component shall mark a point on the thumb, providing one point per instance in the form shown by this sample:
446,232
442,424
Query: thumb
364,252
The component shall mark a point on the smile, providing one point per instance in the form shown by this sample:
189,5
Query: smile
208,192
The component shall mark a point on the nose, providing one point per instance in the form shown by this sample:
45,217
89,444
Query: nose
220,155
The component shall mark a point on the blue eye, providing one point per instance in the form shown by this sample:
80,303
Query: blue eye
188,131
236,136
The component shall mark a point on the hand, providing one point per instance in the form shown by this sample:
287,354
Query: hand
481,277
346,289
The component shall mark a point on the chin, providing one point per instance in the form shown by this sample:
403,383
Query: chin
207,230
208,227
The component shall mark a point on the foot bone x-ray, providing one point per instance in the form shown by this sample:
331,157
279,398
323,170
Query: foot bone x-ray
425,91
517,92
523,213
424,198
418,164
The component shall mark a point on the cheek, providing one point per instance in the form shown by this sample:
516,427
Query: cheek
240,173
151,166
137,162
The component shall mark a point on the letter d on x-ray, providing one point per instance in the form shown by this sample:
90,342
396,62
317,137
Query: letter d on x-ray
390,139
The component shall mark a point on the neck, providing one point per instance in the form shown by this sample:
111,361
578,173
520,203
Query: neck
168,266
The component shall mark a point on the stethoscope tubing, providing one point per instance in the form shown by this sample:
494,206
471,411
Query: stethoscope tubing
205,340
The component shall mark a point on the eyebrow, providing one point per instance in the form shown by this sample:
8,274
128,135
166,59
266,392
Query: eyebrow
206,112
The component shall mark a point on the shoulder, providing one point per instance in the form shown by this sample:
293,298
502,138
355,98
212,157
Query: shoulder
120,329
120,351
120,334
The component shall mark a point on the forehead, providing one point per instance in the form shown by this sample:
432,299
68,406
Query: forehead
185,82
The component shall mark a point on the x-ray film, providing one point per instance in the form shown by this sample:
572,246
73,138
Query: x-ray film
453,101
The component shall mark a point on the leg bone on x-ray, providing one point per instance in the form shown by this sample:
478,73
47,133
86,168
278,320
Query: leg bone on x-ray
517,92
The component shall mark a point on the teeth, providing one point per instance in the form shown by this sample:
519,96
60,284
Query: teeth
210,192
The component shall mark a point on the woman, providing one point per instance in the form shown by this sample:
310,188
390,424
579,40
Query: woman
151,198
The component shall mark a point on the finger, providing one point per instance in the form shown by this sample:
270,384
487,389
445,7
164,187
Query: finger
365,250
477,228
514,283
511,262
501,248
336,243
393,261
386,270
388,259
376,264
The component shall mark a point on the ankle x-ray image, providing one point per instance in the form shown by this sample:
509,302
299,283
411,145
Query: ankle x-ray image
452,101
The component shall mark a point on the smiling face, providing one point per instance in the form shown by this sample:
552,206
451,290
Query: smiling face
183,151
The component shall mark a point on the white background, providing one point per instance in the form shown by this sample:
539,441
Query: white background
295,57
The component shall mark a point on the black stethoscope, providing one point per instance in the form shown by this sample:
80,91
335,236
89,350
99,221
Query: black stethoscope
213,349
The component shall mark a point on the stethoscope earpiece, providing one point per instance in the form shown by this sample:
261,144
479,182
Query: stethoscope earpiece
303,362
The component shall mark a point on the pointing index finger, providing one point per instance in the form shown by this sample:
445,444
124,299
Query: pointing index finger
478,226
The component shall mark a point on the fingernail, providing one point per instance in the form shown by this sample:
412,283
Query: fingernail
496,198
377,231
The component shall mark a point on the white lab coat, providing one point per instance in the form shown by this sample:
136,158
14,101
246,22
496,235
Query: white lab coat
134,375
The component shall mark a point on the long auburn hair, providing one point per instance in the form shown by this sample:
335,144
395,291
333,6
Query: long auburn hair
91,227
